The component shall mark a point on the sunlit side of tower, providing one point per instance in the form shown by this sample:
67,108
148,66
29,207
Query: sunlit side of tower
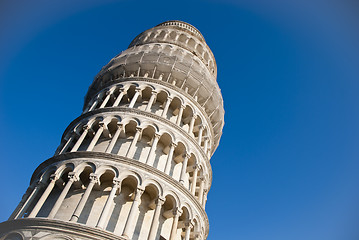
136,163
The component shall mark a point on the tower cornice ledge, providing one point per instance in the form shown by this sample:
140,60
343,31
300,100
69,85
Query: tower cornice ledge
74,229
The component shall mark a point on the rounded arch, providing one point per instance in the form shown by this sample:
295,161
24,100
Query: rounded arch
155,184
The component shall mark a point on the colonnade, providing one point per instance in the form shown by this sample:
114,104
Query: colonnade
159,102
169,217
163,153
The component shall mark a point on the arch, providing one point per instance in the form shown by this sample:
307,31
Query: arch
157,185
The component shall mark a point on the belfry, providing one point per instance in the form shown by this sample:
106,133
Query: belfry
136,163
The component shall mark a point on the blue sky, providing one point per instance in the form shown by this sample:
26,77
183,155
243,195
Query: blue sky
288,161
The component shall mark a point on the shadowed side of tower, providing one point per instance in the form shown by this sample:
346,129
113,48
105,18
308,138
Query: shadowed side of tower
136,163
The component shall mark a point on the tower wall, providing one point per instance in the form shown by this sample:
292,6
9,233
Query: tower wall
136,163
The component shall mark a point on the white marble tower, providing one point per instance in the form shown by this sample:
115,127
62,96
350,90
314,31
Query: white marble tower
136,163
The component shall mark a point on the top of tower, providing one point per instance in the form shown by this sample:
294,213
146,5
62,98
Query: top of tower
183,25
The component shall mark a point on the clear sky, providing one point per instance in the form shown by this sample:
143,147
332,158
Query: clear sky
288,162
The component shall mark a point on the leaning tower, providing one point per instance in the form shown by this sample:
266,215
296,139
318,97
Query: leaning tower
136,163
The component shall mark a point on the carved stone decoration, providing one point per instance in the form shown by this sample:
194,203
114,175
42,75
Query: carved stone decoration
136,163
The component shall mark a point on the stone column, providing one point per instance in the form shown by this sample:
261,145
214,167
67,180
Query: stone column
21,203
39,185
201,189
179,118
184,168
176,214
119,98
200,134
81,138
169,158
134,99
150,102
114,138
188,227
60,199
102,222
105,101
204,200
156,218
80,206
191,124
67,144
131,150
194,180
131,216
150,157
205,144
93,106
45,195
167,105
96,137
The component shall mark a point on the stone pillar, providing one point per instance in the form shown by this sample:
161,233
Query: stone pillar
22,202
102,222
134,99
179,118
201,189
169,158
194,180
150,102
105,101
191,124
131,216
81,138
119,98
80,206
45,195
200,134
205,145
93,106
67,144
131,150
72,179
204,200
167,105
176,214
156,218
184,168
150,157
39,185
114,138
188,227
96,137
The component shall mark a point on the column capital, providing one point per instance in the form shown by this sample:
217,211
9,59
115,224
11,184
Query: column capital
195,167
116,182
183,106
157,135
154,92
53,177
72,176
119,124
139,129
176,211
85,127
188,224
93,177
187,155
160,201
173,144
101,124
169,98
138,89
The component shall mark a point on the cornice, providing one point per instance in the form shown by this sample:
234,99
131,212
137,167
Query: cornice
73,229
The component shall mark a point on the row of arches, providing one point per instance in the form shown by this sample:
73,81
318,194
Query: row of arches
143,142
180,38
117,200
154,99
169,68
